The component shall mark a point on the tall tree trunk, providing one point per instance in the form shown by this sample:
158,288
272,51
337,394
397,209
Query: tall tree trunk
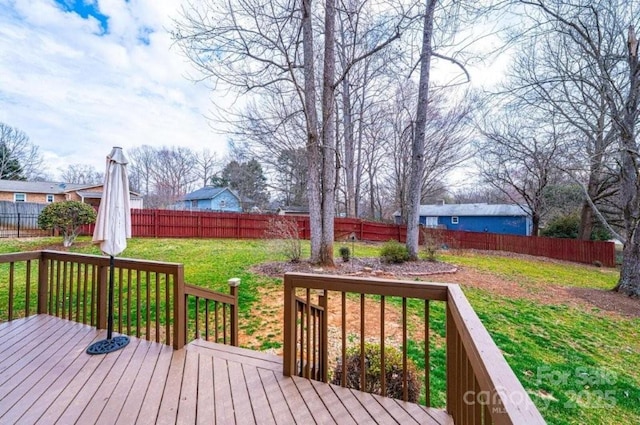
596,159
358,160
586,222
535,224
328,136
314,153
417,148
349,148
629,282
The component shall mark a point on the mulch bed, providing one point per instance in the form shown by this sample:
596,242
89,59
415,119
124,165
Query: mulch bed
359,267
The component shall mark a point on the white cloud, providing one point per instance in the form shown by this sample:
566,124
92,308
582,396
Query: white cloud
77,92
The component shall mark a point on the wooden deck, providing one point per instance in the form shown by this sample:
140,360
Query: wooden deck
46,377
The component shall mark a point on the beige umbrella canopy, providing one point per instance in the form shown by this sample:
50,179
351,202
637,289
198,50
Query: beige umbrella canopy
113,228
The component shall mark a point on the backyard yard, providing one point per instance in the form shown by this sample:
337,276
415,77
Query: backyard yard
573,344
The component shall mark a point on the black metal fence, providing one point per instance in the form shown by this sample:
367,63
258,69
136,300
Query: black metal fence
18,225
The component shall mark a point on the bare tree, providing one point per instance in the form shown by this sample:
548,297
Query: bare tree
479,194
447,136
173,174
81,174
162,174
520,158
142,162
265,47
19,158
604,32
417,146
206,164
556,77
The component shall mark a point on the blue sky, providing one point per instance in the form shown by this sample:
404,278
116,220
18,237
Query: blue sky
81,76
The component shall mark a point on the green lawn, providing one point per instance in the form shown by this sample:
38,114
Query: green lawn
581,365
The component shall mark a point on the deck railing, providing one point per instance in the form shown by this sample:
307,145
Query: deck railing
211,315
481,388
151,299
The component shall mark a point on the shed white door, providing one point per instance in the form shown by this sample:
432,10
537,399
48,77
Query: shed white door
431,222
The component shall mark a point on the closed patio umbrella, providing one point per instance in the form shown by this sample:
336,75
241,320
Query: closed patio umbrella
113,227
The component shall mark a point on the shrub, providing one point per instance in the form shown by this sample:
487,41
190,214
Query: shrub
285,234
394,252
345,253
67,217
373,377
567,226
431,243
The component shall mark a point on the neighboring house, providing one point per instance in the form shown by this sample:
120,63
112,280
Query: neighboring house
211,198
492,218
49,192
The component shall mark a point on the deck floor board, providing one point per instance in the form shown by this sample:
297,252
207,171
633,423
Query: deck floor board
37,392
205,409
48,378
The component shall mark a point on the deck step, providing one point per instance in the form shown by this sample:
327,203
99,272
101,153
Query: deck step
228,352
360,405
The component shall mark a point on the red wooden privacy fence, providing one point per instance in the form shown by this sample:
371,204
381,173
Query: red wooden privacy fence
199,224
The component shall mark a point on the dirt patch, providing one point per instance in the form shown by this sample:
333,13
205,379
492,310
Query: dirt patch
608,300
602,302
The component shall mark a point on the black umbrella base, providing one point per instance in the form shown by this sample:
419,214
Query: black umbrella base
108,345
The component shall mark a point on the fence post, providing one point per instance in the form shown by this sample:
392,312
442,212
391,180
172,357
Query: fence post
233,288
289,361
179,309
324,337
452,372
43,284
18,224
156,223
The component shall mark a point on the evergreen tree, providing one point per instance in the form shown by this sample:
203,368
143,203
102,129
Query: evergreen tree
247,180
10,168
19,158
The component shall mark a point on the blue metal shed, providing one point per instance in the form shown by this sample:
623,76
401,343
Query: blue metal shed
507,219
492,218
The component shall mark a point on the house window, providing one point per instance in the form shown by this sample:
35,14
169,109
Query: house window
19,197
223,203
454,220
194,203
49,199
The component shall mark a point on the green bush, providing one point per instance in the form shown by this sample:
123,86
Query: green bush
564,226
373,376
394,252
567,226
345,253
67,217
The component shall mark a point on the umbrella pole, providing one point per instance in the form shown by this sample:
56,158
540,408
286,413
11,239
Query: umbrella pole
112,266
111,343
